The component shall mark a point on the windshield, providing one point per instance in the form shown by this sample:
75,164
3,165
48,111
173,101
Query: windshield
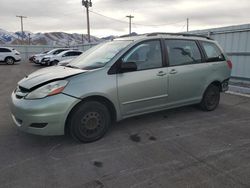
98,56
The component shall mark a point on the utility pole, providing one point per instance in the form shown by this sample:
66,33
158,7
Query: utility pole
21,17
87,4
187,24
130,18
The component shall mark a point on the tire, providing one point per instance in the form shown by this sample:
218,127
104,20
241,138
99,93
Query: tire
211,98
9,60
89,121
53,63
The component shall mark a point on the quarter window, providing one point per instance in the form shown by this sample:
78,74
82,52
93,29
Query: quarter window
213,52
146,55
182,52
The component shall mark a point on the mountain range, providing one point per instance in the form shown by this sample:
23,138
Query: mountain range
49,38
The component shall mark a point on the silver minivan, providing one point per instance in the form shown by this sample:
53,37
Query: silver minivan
118,79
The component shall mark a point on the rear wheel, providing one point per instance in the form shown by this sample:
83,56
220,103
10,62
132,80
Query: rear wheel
211,98
9,60
89,121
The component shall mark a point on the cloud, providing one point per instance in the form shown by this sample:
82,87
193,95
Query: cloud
70,15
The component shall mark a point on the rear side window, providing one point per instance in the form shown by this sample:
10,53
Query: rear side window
66,54
182,52
4,50
77,53
213,52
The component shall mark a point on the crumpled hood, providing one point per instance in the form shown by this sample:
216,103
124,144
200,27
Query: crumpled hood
45,75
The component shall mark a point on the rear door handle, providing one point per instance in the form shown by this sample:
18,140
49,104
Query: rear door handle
173,71
161,73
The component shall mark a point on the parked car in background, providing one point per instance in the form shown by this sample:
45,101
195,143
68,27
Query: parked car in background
9,55
38,59
54,59
119,79
32,57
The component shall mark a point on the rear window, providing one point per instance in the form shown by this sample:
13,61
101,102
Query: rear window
213,52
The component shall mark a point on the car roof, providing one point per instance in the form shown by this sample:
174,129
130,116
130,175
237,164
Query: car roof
58,49
186,36
7,48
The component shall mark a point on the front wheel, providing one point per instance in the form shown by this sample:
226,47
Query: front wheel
52,63
211,98
89,121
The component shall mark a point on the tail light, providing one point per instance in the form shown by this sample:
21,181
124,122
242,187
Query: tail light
229,64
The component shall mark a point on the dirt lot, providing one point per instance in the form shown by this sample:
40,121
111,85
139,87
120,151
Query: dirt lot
184,147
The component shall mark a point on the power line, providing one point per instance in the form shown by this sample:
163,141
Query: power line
159,25
139,24
108,17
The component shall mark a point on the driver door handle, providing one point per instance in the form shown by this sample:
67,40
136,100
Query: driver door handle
173,71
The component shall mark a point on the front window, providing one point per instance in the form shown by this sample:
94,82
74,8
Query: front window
146,55
58,52
98,56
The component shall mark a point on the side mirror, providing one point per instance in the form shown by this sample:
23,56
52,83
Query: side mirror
128,67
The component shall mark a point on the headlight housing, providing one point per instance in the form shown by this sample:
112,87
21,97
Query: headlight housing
46,59
49,89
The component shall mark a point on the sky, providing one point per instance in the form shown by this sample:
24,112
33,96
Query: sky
108,17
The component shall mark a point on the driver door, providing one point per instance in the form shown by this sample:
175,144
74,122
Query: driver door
145,89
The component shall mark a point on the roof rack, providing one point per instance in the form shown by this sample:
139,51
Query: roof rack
179,34
129,35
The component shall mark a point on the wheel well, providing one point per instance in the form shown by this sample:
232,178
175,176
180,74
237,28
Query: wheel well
100,99
9,57
218,84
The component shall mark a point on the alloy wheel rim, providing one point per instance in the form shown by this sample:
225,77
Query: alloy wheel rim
9,61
